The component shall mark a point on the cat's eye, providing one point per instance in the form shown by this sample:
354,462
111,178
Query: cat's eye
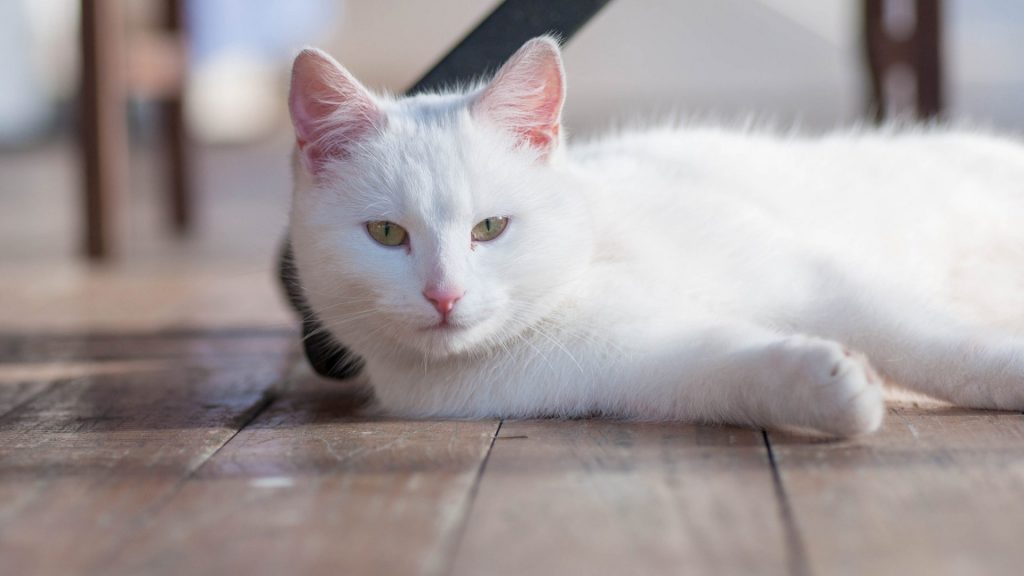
387,233
489,228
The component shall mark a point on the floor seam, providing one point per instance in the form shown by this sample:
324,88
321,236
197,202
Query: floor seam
796,551
460,530
46,389
269,396
265,401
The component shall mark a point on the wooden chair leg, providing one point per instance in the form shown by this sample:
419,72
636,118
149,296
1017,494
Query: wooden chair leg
904,36
176,141
179,192
103,130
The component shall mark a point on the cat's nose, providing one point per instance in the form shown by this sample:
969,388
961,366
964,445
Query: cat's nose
443,299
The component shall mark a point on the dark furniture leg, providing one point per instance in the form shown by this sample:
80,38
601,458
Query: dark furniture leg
103,131
176,141
902,39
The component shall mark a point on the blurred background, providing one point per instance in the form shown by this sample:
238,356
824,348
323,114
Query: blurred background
209,78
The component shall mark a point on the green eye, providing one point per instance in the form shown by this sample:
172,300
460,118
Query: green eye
387,233
489,228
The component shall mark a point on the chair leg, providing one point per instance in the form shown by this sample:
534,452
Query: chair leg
180,203
179,192
103,131
903,38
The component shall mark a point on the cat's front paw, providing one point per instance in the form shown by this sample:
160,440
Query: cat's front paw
834,390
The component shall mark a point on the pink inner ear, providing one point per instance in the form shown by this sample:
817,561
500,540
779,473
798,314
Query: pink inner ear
330,110
526,95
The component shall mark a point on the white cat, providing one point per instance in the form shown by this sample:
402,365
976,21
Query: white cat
482,268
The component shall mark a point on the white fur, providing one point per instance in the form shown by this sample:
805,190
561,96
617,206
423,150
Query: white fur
697,274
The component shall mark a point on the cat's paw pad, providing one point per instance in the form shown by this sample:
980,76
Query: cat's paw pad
839,393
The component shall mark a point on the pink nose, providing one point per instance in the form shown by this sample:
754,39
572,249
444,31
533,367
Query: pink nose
444,300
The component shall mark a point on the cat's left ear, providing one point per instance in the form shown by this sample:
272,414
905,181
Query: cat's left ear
526,95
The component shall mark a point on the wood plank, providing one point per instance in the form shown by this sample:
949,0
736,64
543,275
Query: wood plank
159,295
83,463
223,345
605,497
938,490
16,391
314,487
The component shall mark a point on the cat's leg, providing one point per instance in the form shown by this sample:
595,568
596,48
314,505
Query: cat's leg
751,376
921,347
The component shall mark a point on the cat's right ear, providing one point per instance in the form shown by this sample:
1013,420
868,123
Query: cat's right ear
330,109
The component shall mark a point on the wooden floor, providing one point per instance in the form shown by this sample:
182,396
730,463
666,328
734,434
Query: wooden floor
216,452
155,418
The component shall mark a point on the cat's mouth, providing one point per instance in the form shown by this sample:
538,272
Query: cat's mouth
444,327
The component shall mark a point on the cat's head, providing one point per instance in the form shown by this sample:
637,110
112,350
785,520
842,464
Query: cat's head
442,223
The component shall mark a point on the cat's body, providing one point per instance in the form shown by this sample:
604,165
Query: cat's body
697,274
